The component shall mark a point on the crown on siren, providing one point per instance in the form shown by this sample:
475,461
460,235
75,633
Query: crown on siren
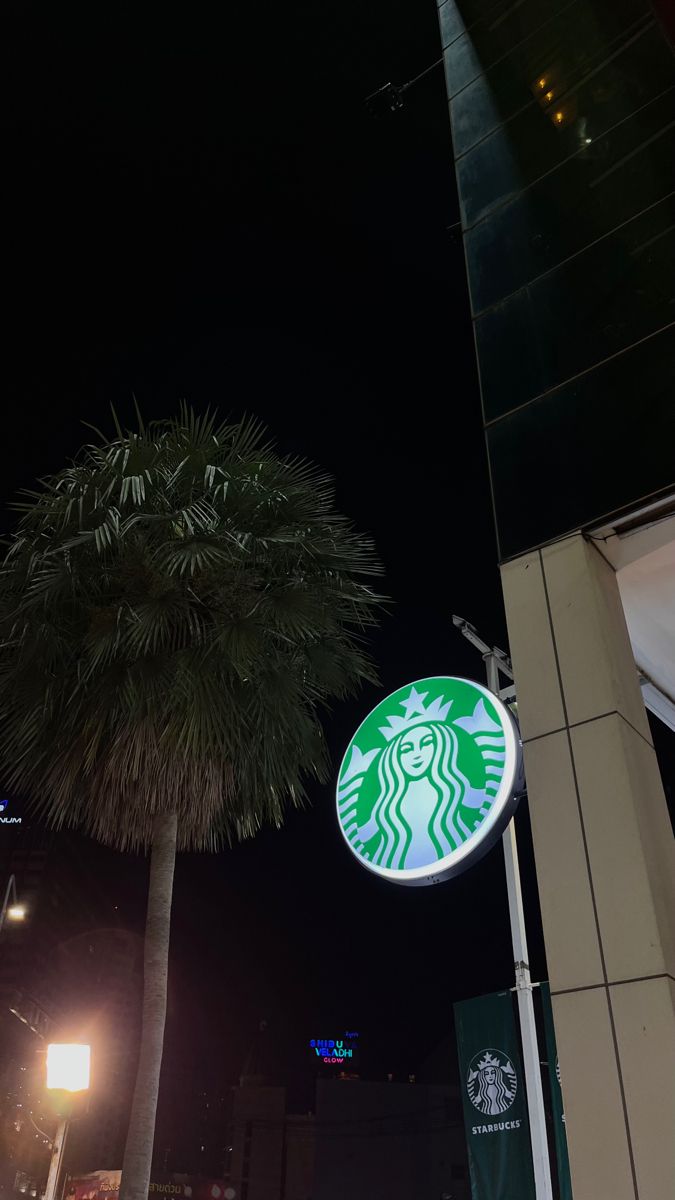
415,713
488,1060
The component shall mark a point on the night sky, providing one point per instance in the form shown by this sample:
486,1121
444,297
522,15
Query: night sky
198,204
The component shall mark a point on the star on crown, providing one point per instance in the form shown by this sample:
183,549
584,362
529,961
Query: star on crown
415,713
489,1060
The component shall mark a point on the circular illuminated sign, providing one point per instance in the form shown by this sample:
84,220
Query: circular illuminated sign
430,780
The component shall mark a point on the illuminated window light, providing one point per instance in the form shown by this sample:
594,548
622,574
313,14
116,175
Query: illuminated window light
559,118
548,96
542,84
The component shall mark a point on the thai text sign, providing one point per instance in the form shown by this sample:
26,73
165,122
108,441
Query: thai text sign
105,1185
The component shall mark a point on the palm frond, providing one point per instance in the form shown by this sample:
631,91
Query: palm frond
176,608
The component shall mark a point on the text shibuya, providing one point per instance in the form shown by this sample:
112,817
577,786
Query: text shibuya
331,1051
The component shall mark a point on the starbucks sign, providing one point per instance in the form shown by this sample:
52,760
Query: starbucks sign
430,780
491,1082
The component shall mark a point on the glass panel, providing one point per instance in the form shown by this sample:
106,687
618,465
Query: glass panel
490,174
450,22
462,64
601,187
531,143
544,67
510,369
495,30
618,291
601,443
475,113
667,17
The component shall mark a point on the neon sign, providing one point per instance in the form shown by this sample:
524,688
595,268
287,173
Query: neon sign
335,1051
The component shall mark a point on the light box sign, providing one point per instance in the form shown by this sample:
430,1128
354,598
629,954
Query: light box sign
430,780
336,1052
105,1185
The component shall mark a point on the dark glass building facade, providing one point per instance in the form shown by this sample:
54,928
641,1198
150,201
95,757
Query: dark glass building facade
563,127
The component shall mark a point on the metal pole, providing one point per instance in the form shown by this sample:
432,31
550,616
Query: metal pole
58,1147
528,1029
11,886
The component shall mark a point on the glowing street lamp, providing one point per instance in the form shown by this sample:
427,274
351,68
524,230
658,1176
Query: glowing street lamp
68,1067
13,911
68,1070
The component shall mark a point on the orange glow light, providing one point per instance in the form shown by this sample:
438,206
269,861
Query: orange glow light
548,96
559,117
68,1067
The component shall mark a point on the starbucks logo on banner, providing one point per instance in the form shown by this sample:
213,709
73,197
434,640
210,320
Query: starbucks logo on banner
429,780
492,1082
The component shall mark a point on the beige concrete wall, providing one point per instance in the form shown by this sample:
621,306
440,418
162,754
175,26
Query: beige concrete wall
605,860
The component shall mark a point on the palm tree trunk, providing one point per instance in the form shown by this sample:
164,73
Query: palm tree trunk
141,1135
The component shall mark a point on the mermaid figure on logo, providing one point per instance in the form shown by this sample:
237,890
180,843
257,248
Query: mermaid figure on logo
417,811
423,795
492,1087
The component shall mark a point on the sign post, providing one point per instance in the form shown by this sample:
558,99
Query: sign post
564,1179
56,1160
528,1028
425,792
67,1075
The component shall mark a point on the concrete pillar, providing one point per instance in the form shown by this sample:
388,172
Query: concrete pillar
605,860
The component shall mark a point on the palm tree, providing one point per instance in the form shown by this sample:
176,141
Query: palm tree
176,608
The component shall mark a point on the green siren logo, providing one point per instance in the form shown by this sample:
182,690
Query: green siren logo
429,780
492,1082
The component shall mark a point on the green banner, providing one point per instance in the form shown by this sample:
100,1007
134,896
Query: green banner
493,1098
564,1178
